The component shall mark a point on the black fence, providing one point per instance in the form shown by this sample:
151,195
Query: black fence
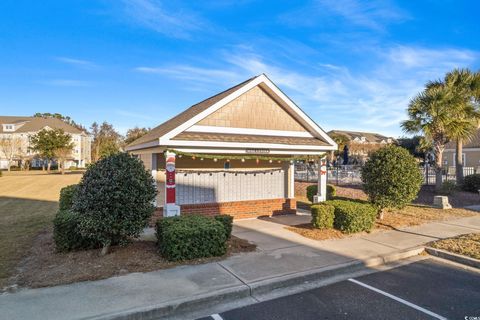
351,174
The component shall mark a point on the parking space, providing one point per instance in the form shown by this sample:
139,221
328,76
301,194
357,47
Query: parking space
427,289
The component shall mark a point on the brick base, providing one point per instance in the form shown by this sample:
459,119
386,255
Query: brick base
238,209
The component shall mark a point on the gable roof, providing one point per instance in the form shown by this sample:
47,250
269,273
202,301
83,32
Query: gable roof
369,136
34,124
174,131
182,117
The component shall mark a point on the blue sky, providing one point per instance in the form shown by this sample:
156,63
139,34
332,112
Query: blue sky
350,64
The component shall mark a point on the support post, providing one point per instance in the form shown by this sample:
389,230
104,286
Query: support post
154,175
170,209
322,181
291,180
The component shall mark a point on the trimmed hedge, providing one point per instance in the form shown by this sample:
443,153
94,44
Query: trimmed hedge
471,183
353,216
323,216
227,222
312,190
66,196
66,233
191,237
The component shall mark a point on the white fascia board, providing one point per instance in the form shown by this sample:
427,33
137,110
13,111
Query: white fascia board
243,151
220,144
260,79
249,131
150,144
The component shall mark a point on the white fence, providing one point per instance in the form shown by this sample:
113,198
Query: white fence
194,187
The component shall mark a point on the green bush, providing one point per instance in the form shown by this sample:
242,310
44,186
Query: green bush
353,216
66,197
66,233
448,187
471,183
190,237
227,222
391,178
323,216
114,199
312,190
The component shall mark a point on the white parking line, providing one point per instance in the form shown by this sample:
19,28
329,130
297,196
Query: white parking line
216,316
405,302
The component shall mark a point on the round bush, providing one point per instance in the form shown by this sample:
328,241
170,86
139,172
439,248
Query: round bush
66,197
312,190
471,183
114,199
391,178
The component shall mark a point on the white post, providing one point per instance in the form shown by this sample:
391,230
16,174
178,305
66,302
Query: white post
170,209
322,181
291,180
154,175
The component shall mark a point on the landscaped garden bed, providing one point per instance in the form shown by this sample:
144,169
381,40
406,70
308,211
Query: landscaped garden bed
466,245
43,266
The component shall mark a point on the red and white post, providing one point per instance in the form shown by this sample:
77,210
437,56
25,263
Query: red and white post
170,209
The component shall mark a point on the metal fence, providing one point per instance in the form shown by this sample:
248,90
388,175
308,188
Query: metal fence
350,174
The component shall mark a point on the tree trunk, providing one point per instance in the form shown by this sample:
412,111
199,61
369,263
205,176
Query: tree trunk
380,214
438,167
459,162
48,166
105,249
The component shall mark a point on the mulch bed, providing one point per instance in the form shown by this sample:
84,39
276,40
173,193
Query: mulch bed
467,245
308,231
44,267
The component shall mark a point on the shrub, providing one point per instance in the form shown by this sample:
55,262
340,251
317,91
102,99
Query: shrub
448,187
66,196
471,183
391,177
313,189
353,216
114,199
66,233
323,216
190,237
227,222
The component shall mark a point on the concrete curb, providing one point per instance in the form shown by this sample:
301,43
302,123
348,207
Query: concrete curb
471,262
179,305
320,274
249,292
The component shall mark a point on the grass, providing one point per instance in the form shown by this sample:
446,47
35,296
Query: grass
28,202
467,245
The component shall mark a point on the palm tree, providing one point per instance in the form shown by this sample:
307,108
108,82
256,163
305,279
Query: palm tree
464,87
431,115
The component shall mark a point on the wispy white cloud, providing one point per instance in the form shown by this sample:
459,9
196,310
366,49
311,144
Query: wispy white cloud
171,21
338,97
76,62
373,15
66,83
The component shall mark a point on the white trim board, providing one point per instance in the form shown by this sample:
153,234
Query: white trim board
242,145
243,151
249,131
261,79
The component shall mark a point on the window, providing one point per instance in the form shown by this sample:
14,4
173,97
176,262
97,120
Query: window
226,165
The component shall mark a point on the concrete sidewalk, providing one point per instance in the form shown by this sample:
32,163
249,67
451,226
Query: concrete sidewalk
283,259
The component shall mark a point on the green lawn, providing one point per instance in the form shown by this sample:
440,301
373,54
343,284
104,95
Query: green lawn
28,202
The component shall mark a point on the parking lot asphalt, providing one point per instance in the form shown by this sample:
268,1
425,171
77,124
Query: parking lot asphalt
427,289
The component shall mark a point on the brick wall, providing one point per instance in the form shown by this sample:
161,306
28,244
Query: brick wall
301,188
239,209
